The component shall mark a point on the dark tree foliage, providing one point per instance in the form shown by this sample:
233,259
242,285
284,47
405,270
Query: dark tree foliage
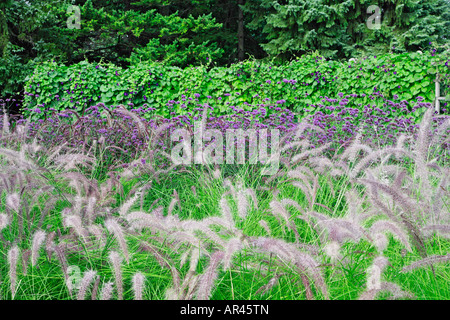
339,29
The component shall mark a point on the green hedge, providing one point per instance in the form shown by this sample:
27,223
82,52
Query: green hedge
295,84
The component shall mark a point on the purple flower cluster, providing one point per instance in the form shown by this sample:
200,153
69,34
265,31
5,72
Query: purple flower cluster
379,122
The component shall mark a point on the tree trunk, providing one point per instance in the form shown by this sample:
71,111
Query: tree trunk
241,50
4,38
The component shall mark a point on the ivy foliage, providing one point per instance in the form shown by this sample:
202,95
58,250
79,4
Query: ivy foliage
295,85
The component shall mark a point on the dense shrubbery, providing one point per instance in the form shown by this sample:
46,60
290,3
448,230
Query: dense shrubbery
246,85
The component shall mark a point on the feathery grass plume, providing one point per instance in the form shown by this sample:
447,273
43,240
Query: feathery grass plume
290,145
33,147
393,288
252,194
439,213
78,188
289,202
97,232
70,161
116,260
22,130
13,259
353,150
194,191
341,229
18,158
176,196
305,179
429,261
226,211
171,206
396,291
128,204
399,198
242,202
309,153
142,128
77,207
355,211
209,277
374,273
13,201
332,250
172,294
404,202
399,178
324,165
374,156
217,174
74,221
38,240
384,226
380,204
85,283
440,132
227,183
203,227
421,150
381,241
302,126
194,259
144,188
95,288
5,181
155,134
233,245
183,237
107,291
184,257
139,220
307,285
264,224
25,257
277,208
287,251
53,152
164,261
114,227
441,229
190,285
90,209
269,285
5,128
50,245
138,285
60,255
4,221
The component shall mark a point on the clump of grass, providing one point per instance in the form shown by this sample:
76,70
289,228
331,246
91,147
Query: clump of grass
336,226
